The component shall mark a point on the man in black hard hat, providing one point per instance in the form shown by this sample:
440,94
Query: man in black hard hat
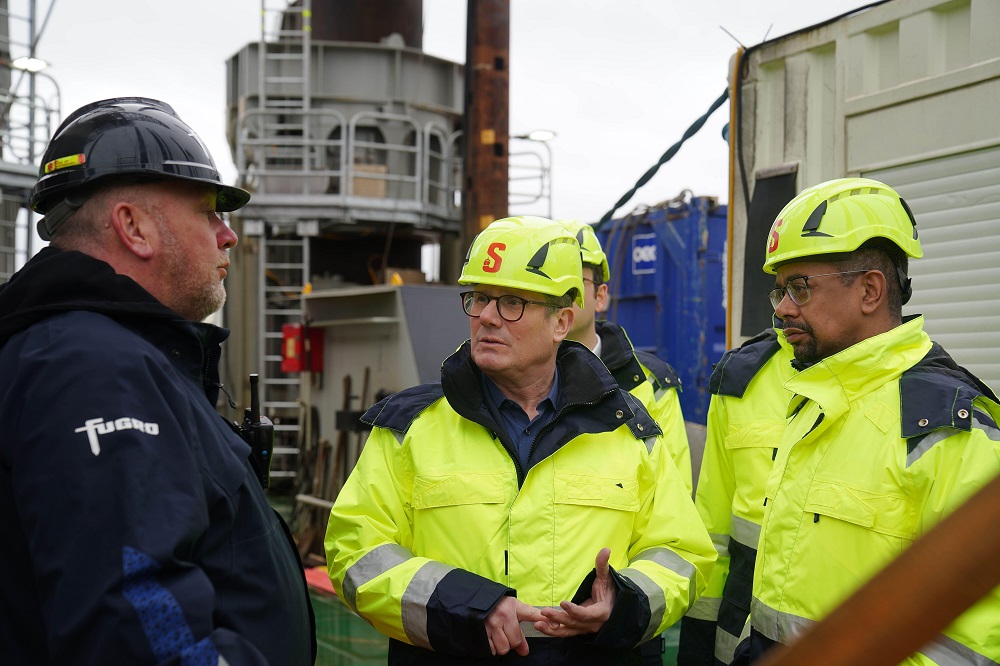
135,528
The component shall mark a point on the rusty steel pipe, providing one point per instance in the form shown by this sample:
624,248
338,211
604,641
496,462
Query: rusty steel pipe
909,602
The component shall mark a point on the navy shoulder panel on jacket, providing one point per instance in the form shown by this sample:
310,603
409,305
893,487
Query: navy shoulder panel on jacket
666,376
397,411
641,425
737,368
938,393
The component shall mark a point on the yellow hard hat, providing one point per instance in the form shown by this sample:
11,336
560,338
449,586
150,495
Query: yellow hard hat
836,217
530,253
590,246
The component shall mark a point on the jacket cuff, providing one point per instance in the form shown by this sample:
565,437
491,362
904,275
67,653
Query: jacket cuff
629,618
457,612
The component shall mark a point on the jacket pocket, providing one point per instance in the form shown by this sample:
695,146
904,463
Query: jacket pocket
887,514
755,435
456,489
609,493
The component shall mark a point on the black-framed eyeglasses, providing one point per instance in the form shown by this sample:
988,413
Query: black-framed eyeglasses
510,307
798,288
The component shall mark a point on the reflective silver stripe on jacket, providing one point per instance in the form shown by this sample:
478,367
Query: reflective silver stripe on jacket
667,559
778,626
373,564
981,420
946,651
721,543
415,598
706,608
654,593
745,532
725,645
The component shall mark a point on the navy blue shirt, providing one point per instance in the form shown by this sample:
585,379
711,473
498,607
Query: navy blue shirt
517,426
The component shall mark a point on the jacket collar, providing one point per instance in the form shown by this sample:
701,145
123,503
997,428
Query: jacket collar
590,381
618,355
838,380
590,400
56,281
736,369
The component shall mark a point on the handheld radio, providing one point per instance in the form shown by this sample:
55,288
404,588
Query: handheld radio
258,432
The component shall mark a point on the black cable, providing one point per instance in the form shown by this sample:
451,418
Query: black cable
691,131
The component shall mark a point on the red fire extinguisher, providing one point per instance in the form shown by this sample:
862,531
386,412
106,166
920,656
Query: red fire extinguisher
301,348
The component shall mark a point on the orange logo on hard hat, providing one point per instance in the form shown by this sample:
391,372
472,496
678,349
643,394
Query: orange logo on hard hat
493,260
63,162
773,243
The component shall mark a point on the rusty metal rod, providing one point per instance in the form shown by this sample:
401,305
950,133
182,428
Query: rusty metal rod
908,603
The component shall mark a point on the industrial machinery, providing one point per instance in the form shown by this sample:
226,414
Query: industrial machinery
347,134
29,113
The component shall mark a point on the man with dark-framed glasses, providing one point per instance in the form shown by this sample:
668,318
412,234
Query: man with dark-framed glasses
885,435
524,508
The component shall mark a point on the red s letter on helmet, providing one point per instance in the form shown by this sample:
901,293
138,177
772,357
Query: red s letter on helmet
493,260
773,243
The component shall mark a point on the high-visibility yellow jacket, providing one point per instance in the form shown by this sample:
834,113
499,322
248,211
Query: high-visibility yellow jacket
883,440
655,383
438,521
746,417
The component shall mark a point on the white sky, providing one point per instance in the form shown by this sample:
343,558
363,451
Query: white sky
619,81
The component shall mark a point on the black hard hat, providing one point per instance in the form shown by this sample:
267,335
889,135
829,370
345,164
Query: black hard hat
133,137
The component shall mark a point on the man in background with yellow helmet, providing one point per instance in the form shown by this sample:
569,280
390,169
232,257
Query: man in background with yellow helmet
526,478
641,373
886,434
746,417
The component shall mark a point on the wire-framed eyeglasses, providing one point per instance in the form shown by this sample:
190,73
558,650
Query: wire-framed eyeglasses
798,288
510,307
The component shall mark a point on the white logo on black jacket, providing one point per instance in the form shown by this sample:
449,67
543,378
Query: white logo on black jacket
98,426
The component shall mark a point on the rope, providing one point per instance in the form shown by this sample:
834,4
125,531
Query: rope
667,156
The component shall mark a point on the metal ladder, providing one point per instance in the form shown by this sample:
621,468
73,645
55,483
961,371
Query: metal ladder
284,88
283,271
284,79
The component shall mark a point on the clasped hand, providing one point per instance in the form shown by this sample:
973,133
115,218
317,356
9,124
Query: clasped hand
503,624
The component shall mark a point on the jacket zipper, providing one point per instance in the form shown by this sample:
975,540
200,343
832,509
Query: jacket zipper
534,440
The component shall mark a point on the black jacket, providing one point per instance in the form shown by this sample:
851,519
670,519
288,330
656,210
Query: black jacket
135,530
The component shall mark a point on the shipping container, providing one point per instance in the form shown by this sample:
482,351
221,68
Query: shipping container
667,288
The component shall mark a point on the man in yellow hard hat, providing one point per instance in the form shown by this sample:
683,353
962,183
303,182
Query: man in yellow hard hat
644,375
653,381
886,434
746,416
524,507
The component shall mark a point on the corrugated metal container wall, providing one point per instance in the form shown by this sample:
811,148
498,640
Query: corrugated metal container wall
666,289
956,202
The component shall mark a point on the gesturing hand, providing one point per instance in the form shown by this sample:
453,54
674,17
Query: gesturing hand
503,626
588,617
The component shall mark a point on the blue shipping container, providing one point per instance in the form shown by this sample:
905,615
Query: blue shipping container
667,288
